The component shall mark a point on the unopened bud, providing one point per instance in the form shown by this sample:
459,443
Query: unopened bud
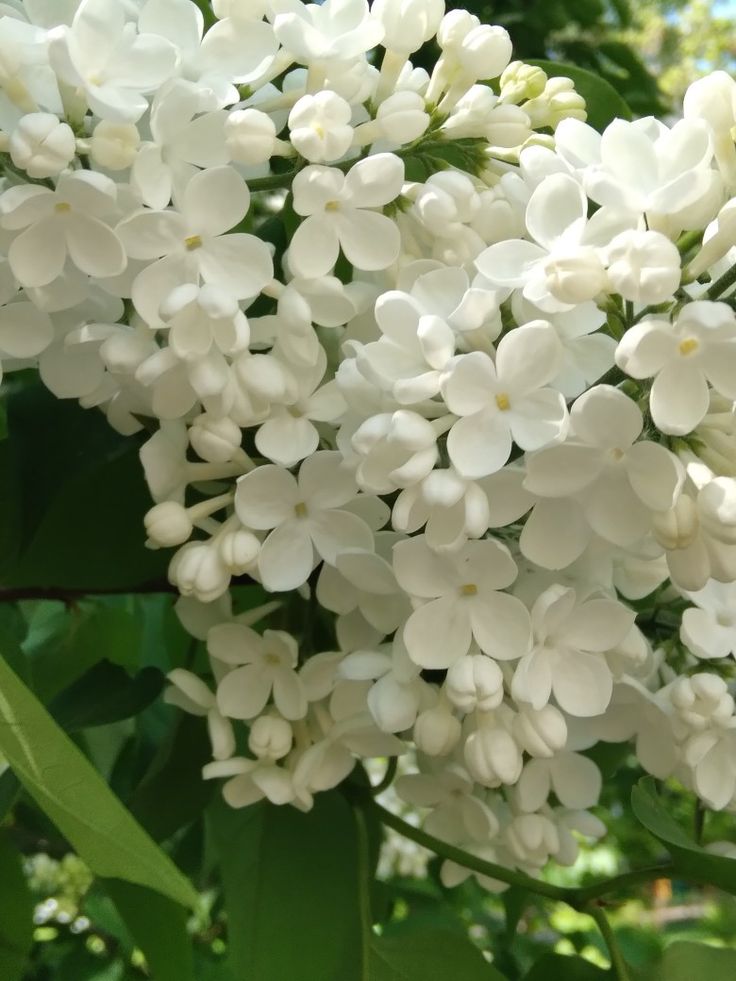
270,737
168,524
42,145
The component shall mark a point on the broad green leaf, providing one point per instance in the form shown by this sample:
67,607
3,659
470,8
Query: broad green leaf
603,102
159,928
684,961
73,795
104,694
690,860
559,967
428,955
16,914
291,890
9,790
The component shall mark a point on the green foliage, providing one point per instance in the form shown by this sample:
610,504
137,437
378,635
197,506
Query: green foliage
688,961
291,887
558,967
16,910
690,860
428,955
73,795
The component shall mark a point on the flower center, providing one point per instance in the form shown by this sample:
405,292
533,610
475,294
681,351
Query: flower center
617,454
193,242
62,208
300,510
271,659
332,206
469,589
503,401
687,346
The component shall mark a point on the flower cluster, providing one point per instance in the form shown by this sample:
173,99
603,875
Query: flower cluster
445,370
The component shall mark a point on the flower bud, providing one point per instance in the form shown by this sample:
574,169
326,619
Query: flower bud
558,101
114,145
519,82
250,136
436,731
270,737
576,276
475,682
492,756
238,550
678,527
542,732
168,524
408,23
454,27
215,440
484,52
402,117
42,145
643,266
198,570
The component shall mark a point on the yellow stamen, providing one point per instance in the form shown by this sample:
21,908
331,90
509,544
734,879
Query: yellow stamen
502,401
193,242
62,208
332,206
300,510
688,346
469,589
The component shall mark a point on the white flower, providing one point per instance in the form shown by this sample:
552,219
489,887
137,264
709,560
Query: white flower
66,222
306,516
505,402
709,627
566,660
336,30
264,667
408,23
617,478
575,779
190,693
104,56
335,206
463,602
191,243
182,141
683,358
25,331
319,126
561,267
252,780
643,266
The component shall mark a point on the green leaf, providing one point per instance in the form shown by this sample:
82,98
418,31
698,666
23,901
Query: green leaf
291,890
16,914
684,961
73,795
105,694
159,928
559,967
690,860
424,955
173,793
603,102
75,494
9,790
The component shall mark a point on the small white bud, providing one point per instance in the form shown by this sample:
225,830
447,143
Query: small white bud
643,266
475,682
270,737
215,440
198,570
678,527
492,756
250,136
114,145
168,524
239,549
436,731
42,145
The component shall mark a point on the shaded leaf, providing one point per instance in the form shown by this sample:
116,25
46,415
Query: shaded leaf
159,928
16,914
684,961
690,860
291,890
559,967
104,694
428,955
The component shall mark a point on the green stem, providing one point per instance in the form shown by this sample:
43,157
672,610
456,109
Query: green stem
721,284
387,779
468,861
576,897
698,821
585,894
617,960
273,182
364,897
